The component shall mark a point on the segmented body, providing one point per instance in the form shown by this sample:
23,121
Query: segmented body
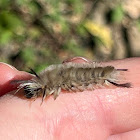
70,77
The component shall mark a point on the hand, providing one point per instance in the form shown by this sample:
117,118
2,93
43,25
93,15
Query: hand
102,114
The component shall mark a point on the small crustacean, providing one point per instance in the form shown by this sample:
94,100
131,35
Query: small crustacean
70,77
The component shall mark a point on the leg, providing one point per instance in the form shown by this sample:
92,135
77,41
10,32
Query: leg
44,95
56,93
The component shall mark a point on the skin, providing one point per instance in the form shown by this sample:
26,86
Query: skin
102,114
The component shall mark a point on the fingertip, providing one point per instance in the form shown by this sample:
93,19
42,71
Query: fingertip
77,59
9,73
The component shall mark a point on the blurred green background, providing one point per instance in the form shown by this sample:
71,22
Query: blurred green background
37,33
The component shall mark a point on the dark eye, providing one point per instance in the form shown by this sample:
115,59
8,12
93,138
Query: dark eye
29,95
31,92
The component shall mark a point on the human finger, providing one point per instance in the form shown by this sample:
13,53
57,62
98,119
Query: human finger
9,73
